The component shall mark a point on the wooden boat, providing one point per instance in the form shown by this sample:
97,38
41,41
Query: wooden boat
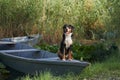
30,40
27,59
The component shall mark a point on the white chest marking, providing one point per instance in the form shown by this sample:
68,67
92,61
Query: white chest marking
68,40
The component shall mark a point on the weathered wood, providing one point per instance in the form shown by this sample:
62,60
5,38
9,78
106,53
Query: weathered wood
20,50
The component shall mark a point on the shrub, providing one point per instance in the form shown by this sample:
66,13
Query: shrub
83,51
94,52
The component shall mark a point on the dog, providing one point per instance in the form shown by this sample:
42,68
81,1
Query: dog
65,50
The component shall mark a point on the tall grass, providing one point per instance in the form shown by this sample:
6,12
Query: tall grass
49,76
17,17
91,18
106,70
86,16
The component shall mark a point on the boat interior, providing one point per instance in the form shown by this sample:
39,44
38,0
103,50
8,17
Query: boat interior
22,50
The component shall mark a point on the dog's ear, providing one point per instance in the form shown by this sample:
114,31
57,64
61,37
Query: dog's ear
72,28
64,26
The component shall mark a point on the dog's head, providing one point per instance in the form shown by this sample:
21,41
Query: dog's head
68,29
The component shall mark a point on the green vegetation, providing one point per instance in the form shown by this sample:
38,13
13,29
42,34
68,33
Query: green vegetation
2,69
18,17
105,70
93,20
48,76
98,51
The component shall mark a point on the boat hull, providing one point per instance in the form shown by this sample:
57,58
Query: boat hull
37,66
29,40
32,62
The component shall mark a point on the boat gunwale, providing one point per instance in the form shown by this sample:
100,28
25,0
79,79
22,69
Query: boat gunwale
32,37
47,60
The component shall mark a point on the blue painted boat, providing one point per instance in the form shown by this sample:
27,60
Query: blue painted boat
27,59
30,40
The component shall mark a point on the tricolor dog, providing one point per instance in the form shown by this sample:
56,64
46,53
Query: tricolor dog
65,51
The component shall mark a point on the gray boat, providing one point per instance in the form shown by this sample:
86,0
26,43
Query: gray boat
30,40
26,59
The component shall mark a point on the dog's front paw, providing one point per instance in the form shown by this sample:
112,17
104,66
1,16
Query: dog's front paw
63,59
70,59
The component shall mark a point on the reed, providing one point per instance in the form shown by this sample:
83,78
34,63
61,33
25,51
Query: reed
92,19
18,17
